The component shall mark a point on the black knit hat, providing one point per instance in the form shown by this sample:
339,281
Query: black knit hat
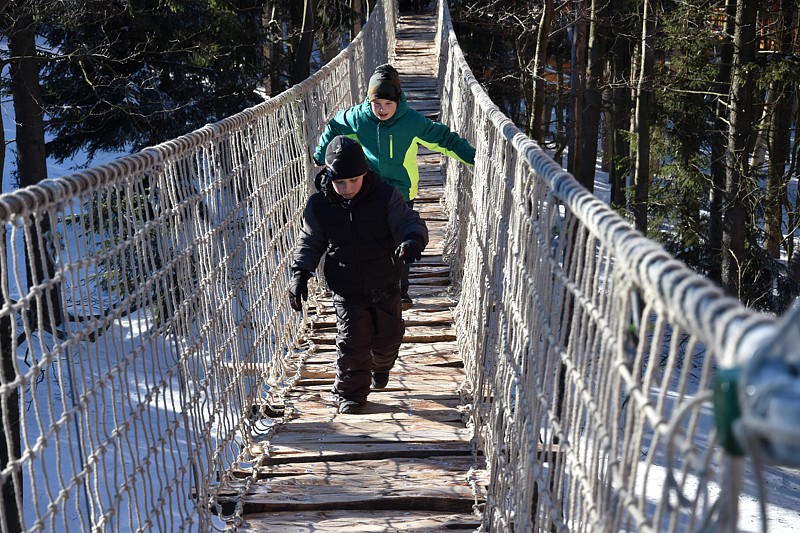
384,84
345,158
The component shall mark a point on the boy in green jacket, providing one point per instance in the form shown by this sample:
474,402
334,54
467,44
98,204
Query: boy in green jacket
390,133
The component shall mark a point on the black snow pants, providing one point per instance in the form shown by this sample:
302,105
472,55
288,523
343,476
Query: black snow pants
368,339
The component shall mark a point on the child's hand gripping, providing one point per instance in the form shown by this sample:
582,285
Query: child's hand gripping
409,251
298,289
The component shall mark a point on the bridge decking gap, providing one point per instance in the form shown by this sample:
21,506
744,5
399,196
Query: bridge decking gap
403,463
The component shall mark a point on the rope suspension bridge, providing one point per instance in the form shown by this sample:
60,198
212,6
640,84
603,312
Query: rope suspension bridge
559,372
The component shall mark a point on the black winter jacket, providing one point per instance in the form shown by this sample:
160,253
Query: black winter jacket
358,237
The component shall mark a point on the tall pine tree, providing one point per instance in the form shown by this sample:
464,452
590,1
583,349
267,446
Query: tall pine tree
125,75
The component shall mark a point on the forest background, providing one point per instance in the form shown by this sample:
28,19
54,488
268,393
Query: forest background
690,107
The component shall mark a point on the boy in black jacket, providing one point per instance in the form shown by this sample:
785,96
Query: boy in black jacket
366,231
391,133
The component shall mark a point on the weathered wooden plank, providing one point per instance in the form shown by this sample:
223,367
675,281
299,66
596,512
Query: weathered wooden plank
392,401
324,368
413,334
413,316
429,176
398,382
370,427
427,210
442,349
340,498
430,173
437,353
421,87
392,398
432,192
362,521
415,369
367,485
344,452
436,299
426,270
427,317
428,291
387,470
431,281
404,378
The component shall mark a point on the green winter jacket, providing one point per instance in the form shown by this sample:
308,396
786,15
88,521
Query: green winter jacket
391,147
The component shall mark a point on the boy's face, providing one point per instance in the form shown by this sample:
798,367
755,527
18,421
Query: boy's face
383,109
348,188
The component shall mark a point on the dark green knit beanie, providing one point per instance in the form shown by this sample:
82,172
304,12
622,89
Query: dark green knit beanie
384,84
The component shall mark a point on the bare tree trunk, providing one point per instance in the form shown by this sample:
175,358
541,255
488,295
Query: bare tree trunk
32,165
792,218
763,111
620,148
592,106
740,142
31,168
355,27
719,144
272,48
606,122
620,111
560,112
305,43
577,87
777,141
641,122
330,41
11,445
779,138
31,155
537,119
527,72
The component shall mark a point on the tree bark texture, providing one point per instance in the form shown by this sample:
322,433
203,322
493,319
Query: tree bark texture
577,87
719,143
32,158
305,42
355,27
620,68
778,137
740,143
538,122
592,104
641,120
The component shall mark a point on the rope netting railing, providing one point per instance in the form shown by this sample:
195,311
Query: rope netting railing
593,356
144,325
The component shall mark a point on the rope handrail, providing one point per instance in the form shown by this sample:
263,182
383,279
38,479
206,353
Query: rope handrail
581,339
150,334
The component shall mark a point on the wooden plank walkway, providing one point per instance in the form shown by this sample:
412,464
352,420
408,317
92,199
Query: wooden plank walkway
404,463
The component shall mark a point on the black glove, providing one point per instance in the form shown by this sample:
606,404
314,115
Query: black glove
298,289
409,251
